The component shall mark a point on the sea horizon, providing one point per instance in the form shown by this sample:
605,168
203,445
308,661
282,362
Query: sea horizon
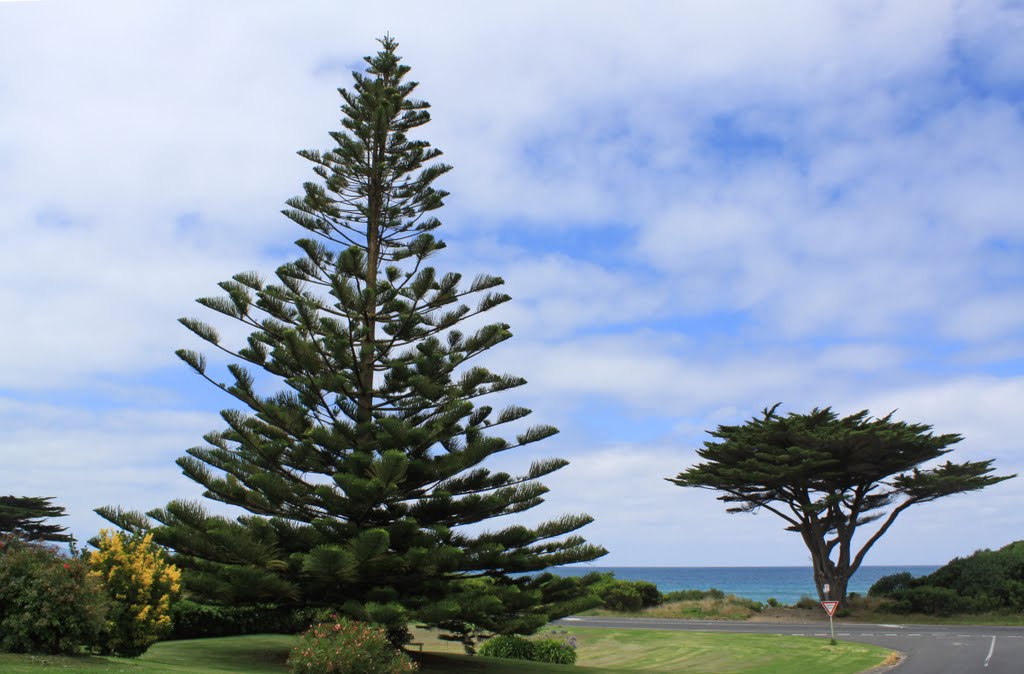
786,584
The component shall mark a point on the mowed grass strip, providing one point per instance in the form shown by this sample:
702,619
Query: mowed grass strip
671,651
600,650
621,650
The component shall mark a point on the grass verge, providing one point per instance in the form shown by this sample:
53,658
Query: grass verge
255,654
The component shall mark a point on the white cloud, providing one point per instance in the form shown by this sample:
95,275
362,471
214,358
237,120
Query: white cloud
809,203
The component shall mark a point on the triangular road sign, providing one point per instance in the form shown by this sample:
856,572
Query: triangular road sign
830,607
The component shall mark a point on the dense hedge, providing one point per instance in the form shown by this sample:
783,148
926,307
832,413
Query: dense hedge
193,620
987,581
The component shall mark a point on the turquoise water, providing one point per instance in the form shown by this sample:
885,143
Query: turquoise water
785,583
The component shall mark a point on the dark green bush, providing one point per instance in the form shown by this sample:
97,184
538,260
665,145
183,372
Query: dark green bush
986,581
554,651
48,603
649,593
773,602
507,646
620,595
928,599
886,585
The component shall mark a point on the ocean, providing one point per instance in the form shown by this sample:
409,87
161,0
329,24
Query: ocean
785,583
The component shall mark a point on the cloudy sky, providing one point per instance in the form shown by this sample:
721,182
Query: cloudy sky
700,208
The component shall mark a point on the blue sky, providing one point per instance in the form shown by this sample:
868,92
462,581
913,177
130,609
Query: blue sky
701,209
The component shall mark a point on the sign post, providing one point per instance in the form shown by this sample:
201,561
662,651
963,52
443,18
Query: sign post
830,608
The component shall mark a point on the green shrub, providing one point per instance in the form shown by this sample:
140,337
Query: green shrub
986,581
507,646
929,599
887,585
620,595
692,595
48,604
559,649
649,593
806,602
554,651
347,647
773,602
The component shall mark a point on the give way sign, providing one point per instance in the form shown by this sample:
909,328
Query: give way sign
830,607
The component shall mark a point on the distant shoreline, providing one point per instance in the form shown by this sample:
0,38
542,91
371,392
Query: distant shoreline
786,584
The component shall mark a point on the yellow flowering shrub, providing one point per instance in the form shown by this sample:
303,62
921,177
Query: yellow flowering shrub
141,584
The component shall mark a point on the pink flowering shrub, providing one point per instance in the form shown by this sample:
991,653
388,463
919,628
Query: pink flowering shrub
343,646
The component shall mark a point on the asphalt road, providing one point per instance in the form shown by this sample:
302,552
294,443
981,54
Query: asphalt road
930,649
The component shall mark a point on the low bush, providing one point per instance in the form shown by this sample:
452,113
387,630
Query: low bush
554,651
626,595
685,595
345,646
694,595
559,649
649,593
507,646
620,595
806,602
773,602
48,603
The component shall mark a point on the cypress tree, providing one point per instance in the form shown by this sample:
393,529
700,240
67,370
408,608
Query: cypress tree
363,476
25,517
828,477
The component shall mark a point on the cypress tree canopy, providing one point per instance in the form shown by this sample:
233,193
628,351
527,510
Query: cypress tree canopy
363,476
25,517
827,475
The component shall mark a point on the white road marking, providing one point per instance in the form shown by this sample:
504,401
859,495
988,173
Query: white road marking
891,626
891,634
913,635
573,619
991,649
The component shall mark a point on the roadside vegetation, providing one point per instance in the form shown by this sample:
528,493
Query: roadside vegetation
988,582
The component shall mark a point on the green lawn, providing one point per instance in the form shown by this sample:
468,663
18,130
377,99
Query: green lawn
253,654
600,650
